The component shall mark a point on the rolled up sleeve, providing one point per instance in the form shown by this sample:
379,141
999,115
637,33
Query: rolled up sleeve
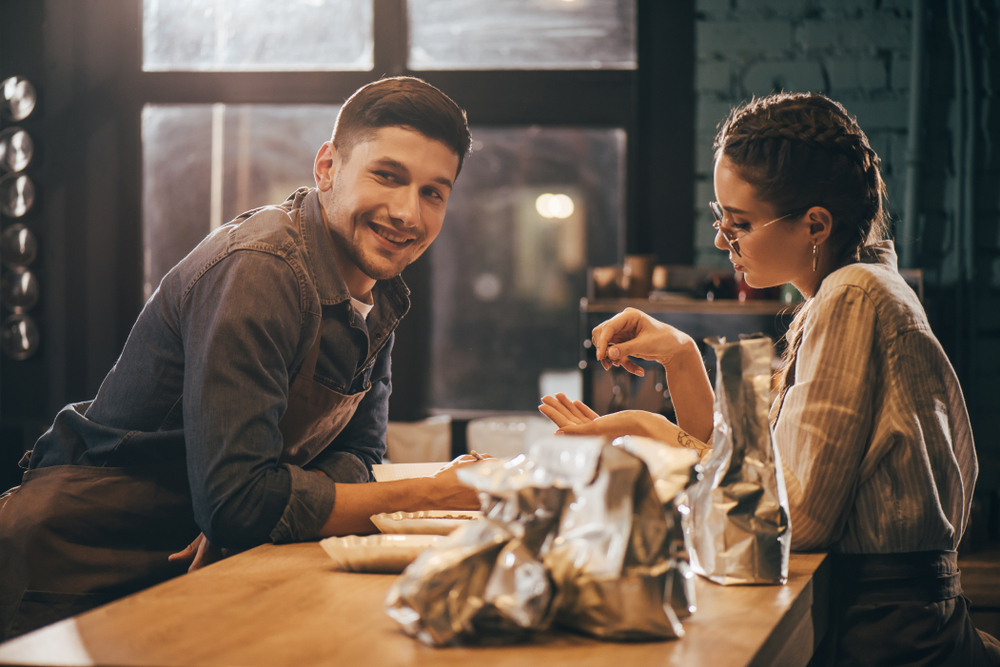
242,324
310,504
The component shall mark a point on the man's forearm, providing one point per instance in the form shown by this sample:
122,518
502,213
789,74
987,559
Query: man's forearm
356,503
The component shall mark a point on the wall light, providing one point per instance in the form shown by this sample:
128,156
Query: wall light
551,205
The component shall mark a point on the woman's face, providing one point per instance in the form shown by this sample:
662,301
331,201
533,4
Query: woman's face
770,254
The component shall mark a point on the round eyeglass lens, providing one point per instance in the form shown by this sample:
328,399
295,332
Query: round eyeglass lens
17,195
18,98
19,337
18,246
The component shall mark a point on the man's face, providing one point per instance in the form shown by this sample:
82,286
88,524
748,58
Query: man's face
385,204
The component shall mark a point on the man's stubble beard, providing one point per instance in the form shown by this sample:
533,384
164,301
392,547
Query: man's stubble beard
353,247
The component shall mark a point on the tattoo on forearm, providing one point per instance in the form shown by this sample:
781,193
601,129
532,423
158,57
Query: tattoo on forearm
685,440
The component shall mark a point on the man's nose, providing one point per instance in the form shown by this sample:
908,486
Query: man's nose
405,205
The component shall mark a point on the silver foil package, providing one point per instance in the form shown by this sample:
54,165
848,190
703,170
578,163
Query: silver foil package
738,528
576,533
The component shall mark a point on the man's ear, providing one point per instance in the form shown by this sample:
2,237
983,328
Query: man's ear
325,166
820,224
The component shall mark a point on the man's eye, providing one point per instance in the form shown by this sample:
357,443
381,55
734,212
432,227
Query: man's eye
433,193
386,175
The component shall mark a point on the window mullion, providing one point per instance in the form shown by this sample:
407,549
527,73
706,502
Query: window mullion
390,38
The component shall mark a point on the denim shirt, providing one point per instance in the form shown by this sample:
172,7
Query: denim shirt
206,370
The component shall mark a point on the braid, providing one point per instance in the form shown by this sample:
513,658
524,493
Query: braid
802,150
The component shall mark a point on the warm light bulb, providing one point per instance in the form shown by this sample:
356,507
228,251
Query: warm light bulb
551,205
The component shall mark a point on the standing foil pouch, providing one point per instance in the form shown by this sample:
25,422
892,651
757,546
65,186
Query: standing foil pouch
738,527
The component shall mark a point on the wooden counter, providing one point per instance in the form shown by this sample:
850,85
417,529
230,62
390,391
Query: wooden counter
286,605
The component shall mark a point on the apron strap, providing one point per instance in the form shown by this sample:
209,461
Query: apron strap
922,576
308,367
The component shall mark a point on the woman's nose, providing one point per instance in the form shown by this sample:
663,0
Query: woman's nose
720,240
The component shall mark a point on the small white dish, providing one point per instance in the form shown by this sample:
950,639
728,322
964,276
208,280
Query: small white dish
427,522
385,554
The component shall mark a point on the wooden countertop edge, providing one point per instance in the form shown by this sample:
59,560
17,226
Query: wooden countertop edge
812,607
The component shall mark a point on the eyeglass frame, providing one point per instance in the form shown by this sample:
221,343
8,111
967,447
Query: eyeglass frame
732,241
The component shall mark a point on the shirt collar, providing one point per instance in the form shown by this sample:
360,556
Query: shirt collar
883,253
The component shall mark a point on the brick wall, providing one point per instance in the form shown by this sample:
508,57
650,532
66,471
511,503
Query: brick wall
858,52
855,51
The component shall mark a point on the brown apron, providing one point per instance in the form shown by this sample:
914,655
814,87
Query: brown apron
74,537
315,415
901,609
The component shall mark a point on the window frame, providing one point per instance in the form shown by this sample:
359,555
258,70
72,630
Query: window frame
86,57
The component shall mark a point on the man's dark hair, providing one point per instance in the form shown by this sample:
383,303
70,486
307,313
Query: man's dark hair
402,101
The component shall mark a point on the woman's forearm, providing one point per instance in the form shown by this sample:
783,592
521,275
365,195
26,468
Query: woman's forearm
691,392
658,427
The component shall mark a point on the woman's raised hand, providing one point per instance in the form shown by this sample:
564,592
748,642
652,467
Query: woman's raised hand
633,333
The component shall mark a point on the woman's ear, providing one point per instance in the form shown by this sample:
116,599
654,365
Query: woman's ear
820,224
324,166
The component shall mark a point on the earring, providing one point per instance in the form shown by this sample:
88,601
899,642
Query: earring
815,257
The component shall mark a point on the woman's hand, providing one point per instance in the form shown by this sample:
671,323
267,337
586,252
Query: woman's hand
633,333
575,418
565,413
636,334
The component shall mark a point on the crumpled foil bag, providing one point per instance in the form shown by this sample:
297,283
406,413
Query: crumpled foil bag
577,532
738,527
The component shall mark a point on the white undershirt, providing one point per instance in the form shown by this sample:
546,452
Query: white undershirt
362,307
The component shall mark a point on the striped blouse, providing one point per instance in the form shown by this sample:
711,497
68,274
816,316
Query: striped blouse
871,424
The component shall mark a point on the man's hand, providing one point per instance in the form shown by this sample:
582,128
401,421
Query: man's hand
452,494
356,503
198,554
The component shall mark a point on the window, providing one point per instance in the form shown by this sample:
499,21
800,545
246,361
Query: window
204,164
521,34
248,35
532,209
539,199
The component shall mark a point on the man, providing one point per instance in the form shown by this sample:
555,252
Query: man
251,397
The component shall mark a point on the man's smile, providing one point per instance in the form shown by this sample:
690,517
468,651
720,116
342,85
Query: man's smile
390,235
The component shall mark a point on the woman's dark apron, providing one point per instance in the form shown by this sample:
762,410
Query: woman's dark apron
900,610
74,537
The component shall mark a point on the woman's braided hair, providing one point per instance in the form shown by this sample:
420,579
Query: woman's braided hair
800,150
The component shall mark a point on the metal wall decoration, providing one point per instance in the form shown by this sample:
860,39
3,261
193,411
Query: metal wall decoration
19,287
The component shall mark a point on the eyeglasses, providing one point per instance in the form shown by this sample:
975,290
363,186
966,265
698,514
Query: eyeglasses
730,235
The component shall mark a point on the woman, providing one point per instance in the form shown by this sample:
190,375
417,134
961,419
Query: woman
870,420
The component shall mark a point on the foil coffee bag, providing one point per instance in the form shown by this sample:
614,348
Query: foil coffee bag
738,528
577,533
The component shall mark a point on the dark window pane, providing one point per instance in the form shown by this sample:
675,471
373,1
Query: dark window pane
531,209
261,154
521,34
255,35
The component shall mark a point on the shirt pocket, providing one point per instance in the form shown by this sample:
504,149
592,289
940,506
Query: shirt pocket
362,382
